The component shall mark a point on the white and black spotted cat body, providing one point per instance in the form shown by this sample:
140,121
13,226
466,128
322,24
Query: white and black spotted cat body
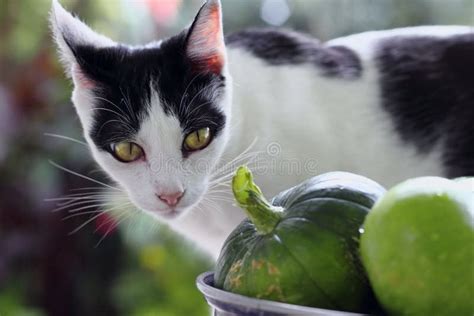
389,105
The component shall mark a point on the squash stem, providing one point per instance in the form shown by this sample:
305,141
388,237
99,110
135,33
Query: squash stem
261,213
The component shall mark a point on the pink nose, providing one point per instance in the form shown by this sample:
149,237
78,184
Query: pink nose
172,198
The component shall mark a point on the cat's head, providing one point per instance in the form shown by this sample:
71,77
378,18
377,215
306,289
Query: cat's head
156,117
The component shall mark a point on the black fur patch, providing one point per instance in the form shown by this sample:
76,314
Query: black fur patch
427,85
278,47
125,76
120,92
188,94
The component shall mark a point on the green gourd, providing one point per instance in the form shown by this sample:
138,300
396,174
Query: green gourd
302,248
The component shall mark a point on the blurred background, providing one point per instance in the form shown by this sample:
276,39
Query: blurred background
67,257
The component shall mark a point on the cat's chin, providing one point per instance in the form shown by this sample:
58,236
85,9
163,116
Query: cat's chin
171,215
168,215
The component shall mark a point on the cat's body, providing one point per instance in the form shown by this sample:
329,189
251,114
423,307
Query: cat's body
339,121
388,105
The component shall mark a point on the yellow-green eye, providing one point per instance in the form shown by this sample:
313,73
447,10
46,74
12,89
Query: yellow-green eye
198,139
127,151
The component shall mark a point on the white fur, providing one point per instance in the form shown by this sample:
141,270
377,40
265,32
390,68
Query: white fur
363,43
316,123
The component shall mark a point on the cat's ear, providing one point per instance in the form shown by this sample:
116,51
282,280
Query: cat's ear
70,33
205,45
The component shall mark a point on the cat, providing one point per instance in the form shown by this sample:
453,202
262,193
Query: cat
164,120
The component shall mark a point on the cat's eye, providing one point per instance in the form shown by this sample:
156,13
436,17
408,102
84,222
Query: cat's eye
127,151
198,139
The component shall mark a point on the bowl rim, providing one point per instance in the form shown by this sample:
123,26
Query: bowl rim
205,284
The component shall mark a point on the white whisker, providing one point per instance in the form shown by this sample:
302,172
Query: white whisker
66,138
219,191
126,119
243,155
84,224
115,225
184,94
188,105
128,104
253,163
82,213
79,196
75,202
221,199
197,108
110,121
110,102
80,208
211,204
221,185
91,219
91,189
80,175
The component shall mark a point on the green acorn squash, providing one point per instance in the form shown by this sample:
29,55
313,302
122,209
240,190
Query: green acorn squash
303,247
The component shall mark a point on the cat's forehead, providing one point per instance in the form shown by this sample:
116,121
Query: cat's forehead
160,133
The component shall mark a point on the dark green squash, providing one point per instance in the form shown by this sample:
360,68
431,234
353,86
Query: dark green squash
303,247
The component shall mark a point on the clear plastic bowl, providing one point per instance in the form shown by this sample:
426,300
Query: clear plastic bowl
229,304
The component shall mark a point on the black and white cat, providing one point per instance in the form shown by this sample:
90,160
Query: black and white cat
163,119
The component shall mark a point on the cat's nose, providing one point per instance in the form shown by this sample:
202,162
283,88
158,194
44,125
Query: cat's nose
171,198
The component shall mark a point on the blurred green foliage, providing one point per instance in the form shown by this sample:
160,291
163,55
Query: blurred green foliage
160,277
